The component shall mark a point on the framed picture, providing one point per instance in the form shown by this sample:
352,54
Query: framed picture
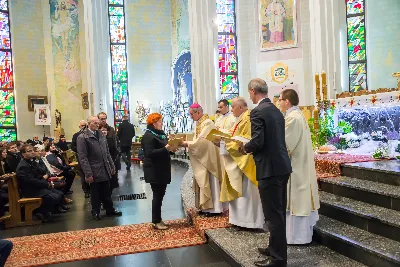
85,101
35,99
277,24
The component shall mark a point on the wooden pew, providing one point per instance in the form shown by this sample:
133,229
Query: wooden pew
15,203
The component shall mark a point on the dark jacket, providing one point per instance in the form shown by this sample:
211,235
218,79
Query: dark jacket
62,145
94,156
52,159
268,141
12,160
30,179
157,159
73,142
126,131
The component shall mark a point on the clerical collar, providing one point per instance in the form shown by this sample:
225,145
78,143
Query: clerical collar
226,114
291,109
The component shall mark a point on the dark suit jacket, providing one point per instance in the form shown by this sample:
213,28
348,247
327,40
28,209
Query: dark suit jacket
73,141
94,156
30,179
12,160
52,159
126,131
157,159
268,141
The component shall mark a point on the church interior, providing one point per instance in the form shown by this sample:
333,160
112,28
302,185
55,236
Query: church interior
62,61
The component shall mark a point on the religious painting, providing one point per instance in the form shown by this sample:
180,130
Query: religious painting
278,24
85,101
34,99
42,114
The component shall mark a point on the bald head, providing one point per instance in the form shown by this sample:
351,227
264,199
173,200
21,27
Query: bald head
239,105
82,124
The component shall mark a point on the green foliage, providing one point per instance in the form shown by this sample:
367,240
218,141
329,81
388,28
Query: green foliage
344,127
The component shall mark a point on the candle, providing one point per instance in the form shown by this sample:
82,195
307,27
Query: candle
317,87
324,86
316,114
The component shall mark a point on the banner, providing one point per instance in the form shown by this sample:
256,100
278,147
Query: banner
42,114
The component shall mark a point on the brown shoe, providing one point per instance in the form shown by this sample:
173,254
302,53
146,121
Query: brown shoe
160,226
68,201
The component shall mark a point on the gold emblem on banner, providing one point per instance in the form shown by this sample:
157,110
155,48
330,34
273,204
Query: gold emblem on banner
279,72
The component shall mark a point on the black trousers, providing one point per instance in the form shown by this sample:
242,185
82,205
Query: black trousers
126,155
158,196
85,185
3,201
50,201
101,193
5,251
69,177
273,199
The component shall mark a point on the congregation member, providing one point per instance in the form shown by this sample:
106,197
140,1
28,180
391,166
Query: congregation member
157,165
33,183
97,166
273,169
85,185
245,209
302,195
62,143
59,167
13,157
206,164
3,185
226,120
3,163
6,247
126,132
112,148
35,141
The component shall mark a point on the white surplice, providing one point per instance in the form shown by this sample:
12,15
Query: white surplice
246,211
218,206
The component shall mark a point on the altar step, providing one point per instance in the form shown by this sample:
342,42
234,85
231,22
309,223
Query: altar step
385,171
367,217
357,244
379,194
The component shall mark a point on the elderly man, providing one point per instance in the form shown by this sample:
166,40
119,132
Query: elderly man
273,169
302,195
206,164
85,185
245,209
97,165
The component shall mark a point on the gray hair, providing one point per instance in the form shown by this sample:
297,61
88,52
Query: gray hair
241,101
91,118
82,121
259,86
197,110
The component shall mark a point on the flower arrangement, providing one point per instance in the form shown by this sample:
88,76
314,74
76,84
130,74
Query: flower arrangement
381,151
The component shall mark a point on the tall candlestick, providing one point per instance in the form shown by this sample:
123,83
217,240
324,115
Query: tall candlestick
324,86
317,87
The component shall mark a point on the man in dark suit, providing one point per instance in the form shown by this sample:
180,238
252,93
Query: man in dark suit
126,131
273,168
98,167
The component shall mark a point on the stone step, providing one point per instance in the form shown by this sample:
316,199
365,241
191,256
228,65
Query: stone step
385,171
362,246
371,218
383,195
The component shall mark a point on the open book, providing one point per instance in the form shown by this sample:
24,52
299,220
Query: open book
175,142
215,135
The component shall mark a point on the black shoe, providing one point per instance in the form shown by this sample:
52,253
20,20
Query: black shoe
114,213
69,192
41,217
87,195
65,207
59,209
96,217
208,214
202,213
264,251
48,216
269,263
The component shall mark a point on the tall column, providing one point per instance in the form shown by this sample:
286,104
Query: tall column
203,46
97,46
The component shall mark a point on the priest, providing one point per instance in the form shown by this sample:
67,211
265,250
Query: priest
226,120
239,185
302,189
206,164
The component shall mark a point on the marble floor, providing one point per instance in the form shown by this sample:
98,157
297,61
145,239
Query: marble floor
134,212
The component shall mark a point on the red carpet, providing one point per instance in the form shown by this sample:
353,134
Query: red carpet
102,242
202,223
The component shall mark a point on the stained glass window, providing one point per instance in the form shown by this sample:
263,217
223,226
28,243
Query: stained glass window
227,49
356,43
119,70
8,131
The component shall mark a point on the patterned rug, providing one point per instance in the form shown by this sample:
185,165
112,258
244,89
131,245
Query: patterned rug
102,242
329,165
202,223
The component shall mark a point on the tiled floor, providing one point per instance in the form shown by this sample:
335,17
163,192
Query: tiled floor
134,212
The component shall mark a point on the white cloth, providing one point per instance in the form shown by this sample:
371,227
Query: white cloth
299,229
215,191
246,211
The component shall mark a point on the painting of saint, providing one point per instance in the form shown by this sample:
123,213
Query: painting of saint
278,24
